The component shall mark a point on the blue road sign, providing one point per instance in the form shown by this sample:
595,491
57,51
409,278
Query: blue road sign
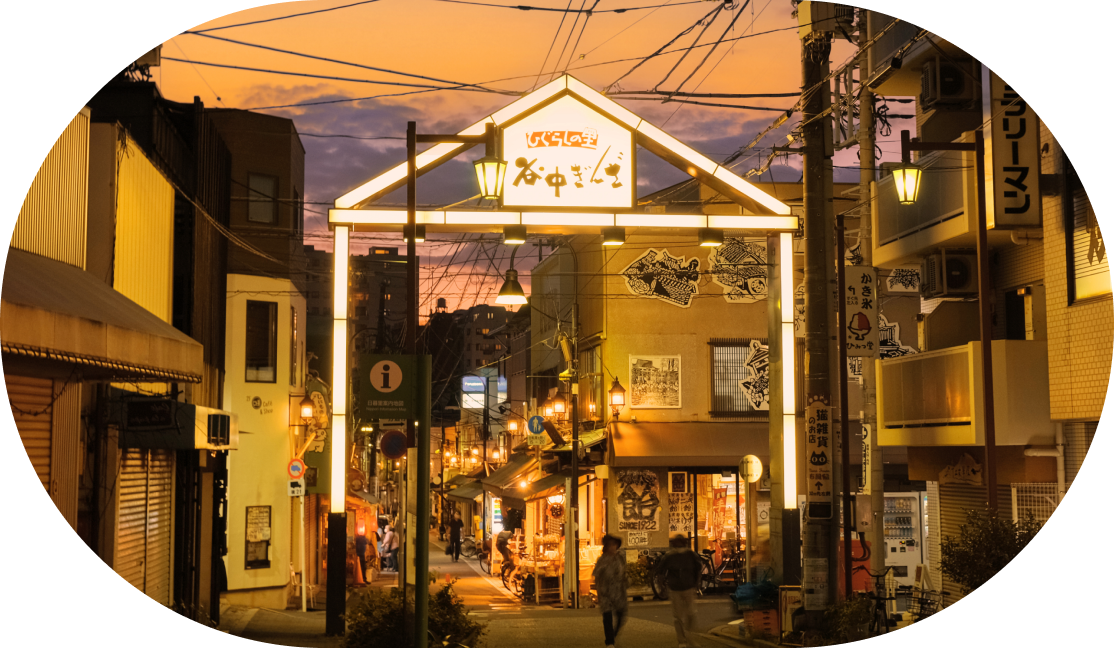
535,425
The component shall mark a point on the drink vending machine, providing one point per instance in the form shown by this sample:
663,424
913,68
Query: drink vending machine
904,522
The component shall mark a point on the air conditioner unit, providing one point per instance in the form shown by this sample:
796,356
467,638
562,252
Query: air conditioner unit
945,83
948,274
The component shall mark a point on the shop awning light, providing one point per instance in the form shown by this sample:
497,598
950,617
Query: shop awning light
711,237
614,235
421,233
514,234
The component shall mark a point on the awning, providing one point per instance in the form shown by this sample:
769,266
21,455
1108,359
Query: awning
688,444
551,485
587,440
459,480
505,477
466,493
55,316
360,500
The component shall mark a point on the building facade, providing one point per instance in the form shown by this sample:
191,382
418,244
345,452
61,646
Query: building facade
1053,325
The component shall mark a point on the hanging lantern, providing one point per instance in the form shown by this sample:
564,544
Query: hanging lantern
907,181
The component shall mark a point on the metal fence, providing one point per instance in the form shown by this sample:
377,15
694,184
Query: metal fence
1038,499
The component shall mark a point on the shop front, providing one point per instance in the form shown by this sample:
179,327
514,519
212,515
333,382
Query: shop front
668,479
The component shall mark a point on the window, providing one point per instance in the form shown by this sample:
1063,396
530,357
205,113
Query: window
1088,270
479,362
591,383
491,316
293,347
740,377
361,311
262,198
260,348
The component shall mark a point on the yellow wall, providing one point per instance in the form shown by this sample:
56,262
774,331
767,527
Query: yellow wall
144,247
1080,335
257,470
52,220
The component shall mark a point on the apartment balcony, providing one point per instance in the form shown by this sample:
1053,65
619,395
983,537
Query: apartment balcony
904,79
936,398
945,214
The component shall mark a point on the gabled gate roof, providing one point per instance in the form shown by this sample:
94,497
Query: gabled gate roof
646,134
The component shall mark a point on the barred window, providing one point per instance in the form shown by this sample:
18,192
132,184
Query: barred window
740,377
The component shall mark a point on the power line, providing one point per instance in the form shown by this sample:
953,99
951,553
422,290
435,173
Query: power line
661,50
551,44
341,62
567,11
577,43
297,15
323,76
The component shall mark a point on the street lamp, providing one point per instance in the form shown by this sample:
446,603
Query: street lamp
911,181
490,172
511,293
614,235
907,180
616,397
306,407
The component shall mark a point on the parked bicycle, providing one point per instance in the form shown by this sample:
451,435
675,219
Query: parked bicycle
921,604
880,596
730,571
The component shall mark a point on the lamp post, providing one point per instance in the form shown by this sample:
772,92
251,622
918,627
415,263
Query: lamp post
907,182
490,172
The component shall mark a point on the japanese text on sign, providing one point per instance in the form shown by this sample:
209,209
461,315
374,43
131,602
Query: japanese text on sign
819,453
1013,156
860,294
568,155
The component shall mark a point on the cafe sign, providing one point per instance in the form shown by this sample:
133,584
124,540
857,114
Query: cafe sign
568,155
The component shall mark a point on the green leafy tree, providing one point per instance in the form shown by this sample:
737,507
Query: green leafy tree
376,620
985,545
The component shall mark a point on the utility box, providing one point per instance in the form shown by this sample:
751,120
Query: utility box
817,17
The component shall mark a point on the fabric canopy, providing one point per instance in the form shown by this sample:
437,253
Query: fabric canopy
55,314
466,493
505,477
587,440
688,444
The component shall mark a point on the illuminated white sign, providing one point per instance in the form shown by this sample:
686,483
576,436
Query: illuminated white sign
568,155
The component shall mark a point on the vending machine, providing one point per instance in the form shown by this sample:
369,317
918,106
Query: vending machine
903,522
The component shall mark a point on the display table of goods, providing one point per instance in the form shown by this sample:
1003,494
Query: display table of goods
548,558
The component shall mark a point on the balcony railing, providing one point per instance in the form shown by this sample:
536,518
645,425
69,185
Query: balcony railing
941,198
935,398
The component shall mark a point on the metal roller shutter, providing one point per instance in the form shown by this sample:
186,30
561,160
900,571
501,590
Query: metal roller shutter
160,524
954,502
30,399
144,525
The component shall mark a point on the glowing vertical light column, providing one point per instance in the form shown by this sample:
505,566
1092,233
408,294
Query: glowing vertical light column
340,367
788,372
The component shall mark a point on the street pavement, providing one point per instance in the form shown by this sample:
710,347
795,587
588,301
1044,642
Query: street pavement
510,622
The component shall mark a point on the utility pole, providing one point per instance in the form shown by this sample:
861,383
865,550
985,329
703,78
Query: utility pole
819,543
869,415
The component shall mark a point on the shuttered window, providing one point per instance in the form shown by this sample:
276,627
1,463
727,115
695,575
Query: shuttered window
262,198
145,508
740,378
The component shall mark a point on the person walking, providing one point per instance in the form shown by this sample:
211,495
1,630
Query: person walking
681,568
456,527
610,574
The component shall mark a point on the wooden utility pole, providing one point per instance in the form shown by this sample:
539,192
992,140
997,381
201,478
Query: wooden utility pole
869,415
819,544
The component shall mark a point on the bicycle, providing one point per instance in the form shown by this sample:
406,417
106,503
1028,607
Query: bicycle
879,615
922,604
711,577
657,578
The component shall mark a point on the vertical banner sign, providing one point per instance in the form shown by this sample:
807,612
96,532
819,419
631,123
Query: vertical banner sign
865,484
860,331
819,452
1012,145
386,387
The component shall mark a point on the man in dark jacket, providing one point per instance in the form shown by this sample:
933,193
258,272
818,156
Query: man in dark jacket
682,573
456,525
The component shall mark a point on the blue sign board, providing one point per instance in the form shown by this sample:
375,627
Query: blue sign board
472,384
535,425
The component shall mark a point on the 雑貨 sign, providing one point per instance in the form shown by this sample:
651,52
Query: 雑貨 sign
568,155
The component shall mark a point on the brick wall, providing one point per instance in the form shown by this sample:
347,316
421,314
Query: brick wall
1081,335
